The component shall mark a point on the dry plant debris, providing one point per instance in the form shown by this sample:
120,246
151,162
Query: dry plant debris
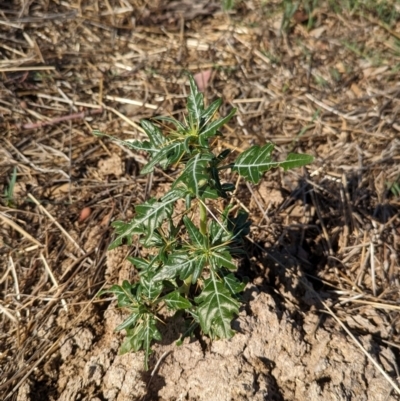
321,81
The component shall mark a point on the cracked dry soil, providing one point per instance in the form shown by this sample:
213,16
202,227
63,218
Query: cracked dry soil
278,354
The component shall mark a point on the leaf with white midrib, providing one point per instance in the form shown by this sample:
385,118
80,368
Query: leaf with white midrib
149,288
295,160
221,257
150,216
154,133
233,284
216,308
150,333
255,161
183,265
210,111
195,176
176,301
194,233
211,129
195,104
166,156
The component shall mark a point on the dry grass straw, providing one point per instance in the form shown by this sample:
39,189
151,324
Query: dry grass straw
72,67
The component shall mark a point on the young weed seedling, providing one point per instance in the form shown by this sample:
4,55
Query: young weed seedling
191,267
9,191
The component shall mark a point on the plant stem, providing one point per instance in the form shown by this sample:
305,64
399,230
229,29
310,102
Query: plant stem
186,285
203,217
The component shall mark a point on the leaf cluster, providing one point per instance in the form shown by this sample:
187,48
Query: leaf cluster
191,266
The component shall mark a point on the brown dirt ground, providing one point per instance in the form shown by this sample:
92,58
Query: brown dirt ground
322,306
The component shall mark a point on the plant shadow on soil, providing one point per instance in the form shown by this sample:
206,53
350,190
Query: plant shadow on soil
268,268
297,256
288,270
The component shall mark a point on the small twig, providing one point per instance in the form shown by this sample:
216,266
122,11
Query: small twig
356,342
132,101
166,353
74,116
30,196
126,119
258,203
15,278
30,369
324,230
372,261
5,275
62,100
376,305
19,229
331,109
33,68
8,314
53,279
29,163
363,265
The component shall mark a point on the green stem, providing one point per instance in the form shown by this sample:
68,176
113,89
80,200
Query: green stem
203,217
186,285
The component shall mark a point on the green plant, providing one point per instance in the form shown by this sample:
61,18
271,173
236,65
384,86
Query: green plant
9,191
289,9
190,269
394,187
227,5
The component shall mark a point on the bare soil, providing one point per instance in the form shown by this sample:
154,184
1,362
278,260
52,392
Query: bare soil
320,319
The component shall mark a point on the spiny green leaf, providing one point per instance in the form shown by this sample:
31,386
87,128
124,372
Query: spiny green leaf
210,111
221,257
125,293
141,337
219,230
124,231
157,139
176,301
149,216
188,142
153,240
168,155
216,308
221,325
129,322
195,176
294,160
182,265
210,130
233,284
228,187
195,104
239,225
209,193
255,161
130,144
149,288
145,146
219,233
195,235
222,156
144,265
178,125
139,263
